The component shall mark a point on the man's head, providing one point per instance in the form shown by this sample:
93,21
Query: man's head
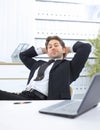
55,47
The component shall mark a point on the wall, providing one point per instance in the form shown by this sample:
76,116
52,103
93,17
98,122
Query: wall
16,25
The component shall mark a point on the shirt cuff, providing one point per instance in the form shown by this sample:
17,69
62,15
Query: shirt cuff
71,49
38,51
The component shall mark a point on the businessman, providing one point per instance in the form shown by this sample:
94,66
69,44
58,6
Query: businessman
51,80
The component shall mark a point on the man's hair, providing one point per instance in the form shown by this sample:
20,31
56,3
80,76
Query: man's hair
54,38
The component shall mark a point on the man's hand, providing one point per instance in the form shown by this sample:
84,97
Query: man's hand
44,50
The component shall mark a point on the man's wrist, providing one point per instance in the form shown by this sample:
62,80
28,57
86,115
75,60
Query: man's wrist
39,50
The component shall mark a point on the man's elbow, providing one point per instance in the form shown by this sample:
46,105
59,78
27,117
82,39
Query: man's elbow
21,56
89,47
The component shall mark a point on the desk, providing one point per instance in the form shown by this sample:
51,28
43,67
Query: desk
27,117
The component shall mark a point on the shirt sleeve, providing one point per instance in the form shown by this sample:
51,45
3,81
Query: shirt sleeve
71,49
38,51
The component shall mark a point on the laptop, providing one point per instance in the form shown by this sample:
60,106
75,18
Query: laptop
73,108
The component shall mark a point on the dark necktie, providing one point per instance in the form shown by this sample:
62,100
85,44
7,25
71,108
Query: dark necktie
42,69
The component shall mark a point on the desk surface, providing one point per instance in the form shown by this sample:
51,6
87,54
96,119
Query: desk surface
26,117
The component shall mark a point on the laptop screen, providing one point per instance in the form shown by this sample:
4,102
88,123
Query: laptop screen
92,96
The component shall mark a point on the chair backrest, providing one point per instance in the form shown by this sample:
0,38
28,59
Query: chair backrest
71,91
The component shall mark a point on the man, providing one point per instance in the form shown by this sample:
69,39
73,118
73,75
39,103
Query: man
53,84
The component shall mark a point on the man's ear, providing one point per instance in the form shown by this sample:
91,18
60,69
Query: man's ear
64,50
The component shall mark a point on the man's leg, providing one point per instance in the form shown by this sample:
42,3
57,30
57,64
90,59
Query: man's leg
11,96
25,95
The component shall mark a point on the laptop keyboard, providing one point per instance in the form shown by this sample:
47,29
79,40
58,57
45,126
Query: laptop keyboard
66,106
71,107
78,96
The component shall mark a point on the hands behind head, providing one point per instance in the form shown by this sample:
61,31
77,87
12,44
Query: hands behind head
67,51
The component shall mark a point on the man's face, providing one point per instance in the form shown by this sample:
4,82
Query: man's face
54,49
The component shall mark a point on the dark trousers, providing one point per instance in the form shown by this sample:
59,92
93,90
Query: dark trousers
25,95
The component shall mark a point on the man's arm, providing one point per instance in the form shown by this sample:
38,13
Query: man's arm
82,51
26,57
